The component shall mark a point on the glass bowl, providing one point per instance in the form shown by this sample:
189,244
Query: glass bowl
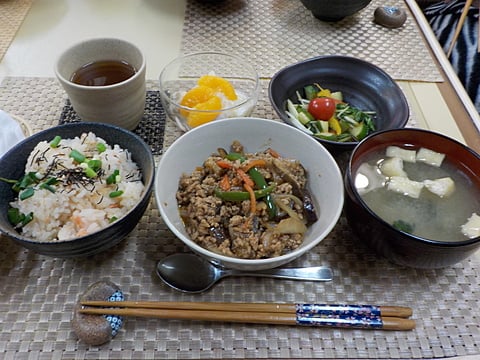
202,87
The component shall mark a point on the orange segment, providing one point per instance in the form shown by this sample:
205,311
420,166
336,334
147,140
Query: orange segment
197,118
197,95
218,84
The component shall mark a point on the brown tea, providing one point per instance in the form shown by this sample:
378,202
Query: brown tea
102,73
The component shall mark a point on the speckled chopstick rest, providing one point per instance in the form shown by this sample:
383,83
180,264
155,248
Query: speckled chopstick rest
94,329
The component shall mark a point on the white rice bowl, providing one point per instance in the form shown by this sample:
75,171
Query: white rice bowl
81,207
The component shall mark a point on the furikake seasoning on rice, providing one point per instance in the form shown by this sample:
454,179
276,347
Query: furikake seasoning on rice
74,187
246,205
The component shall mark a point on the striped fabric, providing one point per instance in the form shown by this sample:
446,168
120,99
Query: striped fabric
465,58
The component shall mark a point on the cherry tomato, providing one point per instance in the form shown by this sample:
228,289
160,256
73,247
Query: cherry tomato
322,108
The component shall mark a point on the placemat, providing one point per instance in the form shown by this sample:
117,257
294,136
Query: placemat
38,293
275,33
12,14
151,128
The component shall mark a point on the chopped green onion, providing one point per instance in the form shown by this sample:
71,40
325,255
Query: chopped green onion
112,179
48,187
115,194
8,181
56,140
90,173
94,164
77,156
51,181
25,194
27,180
112,219
101,147
14,216
28,217
17,218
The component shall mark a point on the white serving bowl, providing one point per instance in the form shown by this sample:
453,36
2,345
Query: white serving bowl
191,149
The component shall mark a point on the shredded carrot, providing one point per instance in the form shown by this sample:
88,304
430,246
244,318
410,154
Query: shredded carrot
245,178
253,201
273,153
225,183
254,163
236,182
224,164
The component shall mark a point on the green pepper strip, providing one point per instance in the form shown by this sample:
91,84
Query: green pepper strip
243,195
259,181
236,156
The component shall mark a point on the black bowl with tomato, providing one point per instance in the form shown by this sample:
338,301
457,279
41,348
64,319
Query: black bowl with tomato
338,100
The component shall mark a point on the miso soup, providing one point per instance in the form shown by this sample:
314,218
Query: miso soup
430,215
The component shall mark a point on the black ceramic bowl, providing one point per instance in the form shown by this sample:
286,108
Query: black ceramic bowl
364,86
334,10
12,166
401,247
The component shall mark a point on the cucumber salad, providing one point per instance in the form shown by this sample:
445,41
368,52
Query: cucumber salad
323,114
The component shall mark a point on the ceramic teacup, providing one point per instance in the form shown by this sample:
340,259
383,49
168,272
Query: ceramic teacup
118,100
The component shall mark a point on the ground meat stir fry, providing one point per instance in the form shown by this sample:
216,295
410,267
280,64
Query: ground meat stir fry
246,205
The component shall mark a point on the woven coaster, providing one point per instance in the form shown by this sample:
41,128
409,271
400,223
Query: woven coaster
12,14
36,308
272,34
151,128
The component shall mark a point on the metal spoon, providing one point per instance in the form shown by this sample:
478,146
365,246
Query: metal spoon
193,274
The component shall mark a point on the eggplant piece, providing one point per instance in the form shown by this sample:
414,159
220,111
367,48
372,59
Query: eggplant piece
299,191
222,152
309,208
218,233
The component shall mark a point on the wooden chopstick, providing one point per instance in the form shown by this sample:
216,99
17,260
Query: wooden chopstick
458,29
387,323
345,316
389,311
